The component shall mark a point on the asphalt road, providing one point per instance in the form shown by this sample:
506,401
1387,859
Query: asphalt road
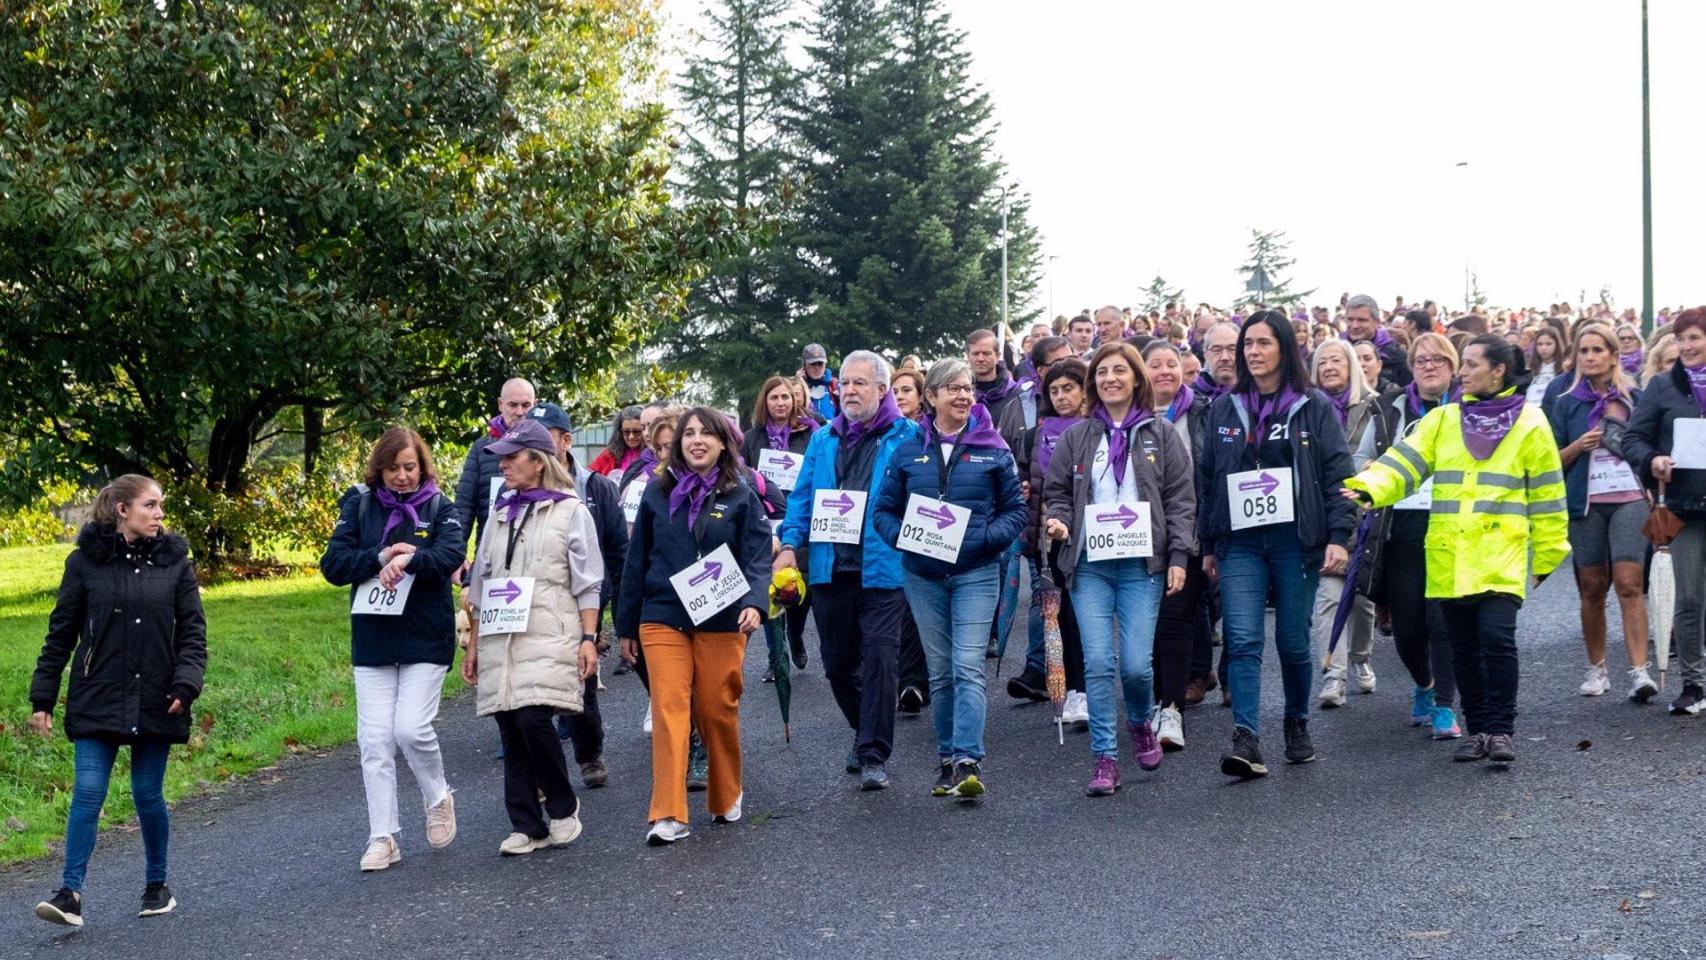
1589,846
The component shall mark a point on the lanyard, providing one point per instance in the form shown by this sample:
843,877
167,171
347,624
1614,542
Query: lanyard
515,534
946,466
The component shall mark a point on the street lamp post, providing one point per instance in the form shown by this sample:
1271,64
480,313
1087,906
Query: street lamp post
1002,348
1464,196
1646,185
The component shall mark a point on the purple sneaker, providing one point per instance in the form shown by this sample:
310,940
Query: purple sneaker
1105,780
1144,744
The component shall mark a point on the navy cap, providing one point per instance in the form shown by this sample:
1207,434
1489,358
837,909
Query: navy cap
551,415
526,435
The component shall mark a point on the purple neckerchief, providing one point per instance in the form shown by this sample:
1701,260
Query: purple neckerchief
1697,383
1208,386
691,488
999,390
1631,361
1485,422
496,427
1380,339
1119,435
1180,404
979,430
404,507
648,460
1024,370
1341,403
514,501
852,432
1584,391
1263,410
1049,431
1413,398
777,435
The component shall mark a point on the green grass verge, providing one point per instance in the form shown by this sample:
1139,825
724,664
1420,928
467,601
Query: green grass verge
278,681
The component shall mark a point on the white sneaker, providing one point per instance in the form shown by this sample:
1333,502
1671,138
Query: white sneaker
1076,710
564,831
1332,692
1641,685
1170,729
517,844
733,814
381,853
665,832
441,823
646,724
1596,684
1364,674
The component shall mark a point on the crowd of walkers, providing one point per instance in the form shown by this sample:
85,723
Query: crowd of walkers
1168,477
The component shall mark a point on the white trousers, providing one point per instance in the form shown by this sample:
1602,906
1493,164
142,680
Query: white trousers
1357,641
394,709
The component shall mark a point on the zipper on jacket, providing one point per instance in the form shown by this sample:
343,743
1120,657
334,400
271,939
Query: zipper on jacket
89,655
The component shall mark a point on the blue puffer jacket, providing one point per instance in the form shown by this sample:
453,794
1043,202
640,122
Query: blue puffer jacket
882,561
983,479
1569,417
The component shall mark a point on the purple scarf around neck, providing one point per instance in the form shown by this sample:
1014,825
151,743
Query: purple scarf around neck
1000,389
1262,411
1119,436
853,432
1208,386
1485,422
691,488
1584,391
515,501
1697,383
1413,398
1180,404
1049,431
496,427
777,435
1631,362
1341,403
404,507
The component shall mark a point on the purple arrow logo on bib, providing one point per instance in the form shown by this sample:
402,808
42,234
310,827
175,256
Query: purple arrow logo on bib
786,461
712,571
1125,516
508,593
944,517
1265,483
844,504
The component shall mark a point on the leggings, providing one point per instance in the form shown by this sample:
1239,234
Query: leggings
1418,628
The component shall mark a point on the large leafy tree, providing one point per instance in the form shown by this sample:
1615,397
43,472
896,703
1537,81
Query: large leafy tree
736,329
217,218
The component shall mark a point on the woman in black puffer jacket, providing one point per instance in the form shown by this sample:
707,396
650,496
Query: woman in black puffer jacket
129,622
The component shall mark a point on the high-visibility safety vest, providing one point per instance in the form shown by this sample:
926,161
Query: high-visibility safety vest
1492,521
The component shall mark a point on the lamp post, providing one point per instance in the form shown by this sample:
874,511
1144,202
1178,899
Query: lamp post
1002,346
1646,185
1464,196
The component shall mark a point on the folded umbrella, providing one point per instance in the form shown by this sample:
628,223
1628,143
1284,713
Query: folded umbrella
787,589
1347,598
1048,599
1661,528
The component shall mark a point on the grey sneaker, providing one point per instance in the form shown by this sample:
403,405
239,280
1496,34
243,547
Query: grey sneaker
1501,748
1473,748
873,776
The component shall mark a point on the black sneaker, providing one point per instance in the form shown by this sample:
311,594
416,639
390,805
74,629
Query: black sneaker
1244,761
1689,703
944,784
1501,748
769,676
1030,685
911,701
594,773
622,666
799,652
157,899
853,765
873,776
968,780
1298,747
1473,748
64,907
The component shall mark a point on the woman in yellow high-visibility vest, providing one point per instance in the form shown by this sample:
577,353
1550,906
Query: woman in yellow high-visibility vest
1498,515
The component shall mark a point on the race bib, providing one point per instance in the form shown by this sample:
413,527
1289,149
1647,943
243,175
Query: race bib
780,467
933,528
505,603
838,516
1117,531
1607,473
1422,499
632,496
497,488
1259,498
710,584
1688,443
373,600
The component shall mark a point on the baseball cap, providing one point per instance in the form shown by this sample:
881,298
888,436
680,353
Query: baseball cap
813,353
526,435
552,416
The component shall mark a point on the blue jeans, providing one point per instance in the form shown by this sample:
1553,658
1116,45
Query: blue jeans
1036,659
94,764
1255,559
1101,593
953,616
1006,605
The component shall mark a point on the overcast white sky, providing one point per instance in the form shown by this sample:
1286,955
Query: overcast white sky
1152,136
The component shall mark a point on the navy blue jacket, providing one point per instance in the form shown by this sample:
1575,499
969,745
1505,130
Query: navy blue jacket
984,479
662,546
425,632
1321,465
1569,417
474,487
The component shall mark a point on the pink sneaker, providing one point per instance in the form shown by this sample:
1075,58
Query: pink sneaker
1105,779
1144,744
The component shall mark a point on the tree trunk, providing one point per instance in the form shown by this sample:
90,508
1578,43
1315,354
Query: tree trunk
313,431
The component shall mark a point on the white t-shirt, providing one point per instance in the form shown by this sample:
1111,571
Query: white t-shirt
1103,488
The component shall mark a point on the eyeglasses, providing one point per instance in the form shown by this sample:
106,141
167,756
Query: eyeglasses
957,389
634,432
1424,363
